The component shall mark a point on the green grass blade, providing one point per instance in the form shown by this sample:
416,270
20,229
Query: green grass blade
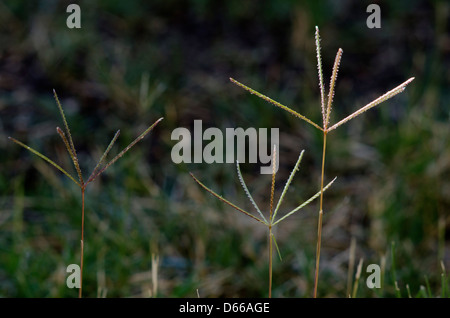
73,153
37,153
244,186
141,136
291,177
427,284
398,292
306,202
276,245
393,273
444,282
292,112
422,293
226,201
102,158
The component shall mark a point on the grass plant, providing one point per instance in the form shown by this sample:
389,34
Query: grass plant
326,106
98,170
271,221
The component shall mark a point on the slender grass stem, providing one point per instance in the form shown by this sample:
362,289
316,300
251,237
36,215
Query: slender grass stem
270,261
82,242
271,219
319,225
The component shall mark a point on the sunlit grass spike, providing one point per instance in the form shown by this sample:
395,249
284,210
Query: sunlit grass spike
374,103
315,196
337,61
288,182
320,72
268,99
244,186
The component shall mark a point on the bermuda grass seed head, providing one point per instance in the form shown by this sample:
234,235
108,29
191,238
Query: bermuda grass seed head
98,170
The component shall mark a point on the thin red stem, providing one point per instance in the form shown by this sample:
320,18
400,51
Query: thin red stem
82,242
270,261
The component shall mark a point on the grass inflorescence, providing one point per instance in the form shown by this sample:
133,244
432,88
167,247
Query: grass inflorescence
98,170
271,221
326,106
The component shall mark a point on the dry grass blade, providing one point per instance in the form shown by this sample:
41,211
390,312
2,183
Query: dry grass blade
226,201
292,112
73,153
376,102
46,159
357,277
306,202
141,136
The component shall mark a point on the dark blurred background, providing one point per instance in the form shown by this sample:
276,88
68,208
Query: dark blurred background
133,62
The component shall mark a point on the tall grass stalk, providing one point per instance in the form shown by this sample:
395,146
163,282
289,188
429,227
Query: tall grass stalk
272,220
98,170
326,128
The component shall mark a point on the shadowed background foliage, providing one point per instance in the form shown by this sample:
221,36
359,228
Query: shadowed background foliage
133,62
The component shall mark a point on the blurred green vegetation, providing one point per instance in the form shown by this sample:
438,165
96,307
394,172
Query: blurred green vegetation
133,62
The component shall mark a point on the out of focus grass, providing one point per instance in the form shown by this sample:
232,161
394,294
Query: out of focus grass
132,63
